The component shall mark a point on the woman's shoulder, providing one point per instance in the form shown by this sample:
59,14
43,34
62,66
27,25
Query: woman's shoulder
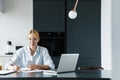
22,49
42,47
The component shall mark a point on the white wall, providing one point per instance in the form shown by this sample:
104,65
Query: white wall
106,49
15,22
116,39
111,36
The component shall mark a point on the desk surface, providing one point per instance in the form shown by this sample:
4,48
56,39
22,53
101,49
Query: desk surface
81,75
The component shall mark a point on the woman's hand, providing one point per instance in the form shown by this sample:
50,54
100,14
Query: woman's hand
33,66
16,68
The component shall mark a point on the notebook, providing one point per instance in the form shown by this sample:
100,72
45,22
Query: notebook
67,63
4,72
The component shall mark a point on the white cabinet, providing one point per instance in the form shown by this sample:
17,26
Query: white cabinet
4,59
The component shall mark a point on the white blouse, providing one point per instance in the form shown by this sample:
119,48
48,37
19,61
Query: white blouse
23,57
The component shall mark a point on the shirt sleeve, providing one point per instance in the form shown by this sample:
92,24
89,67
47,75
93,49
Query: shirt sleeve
15,60
47,59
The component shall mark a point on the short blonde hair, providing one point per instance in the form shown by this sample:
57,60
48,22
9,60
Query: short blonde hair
35,32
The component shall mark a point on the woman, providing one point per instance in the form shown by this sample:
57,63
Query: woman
32,56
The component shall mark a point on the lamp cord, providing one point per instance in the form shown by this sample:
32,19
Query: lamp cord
76,3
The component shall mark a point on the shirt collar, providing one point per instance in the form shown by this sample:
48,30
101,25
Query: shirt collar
37,50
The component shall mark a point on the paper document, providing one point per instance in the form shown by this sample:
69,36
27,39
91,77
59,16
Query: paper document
6,71
38,70
29,70
24,69
50,72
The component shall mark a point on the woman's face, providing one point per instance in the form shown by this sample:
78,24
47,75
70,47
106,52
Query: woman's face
33,40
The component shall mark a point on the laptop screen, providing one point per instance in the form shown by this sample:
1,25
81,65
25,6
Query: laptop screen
68,62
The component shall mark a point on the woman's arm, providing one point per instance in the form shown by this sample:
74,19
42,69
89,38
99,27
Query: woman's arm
47,59
45,67
14,62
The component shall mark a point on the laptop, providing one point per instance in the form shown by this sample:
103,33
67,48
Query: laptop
4,72
67,63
